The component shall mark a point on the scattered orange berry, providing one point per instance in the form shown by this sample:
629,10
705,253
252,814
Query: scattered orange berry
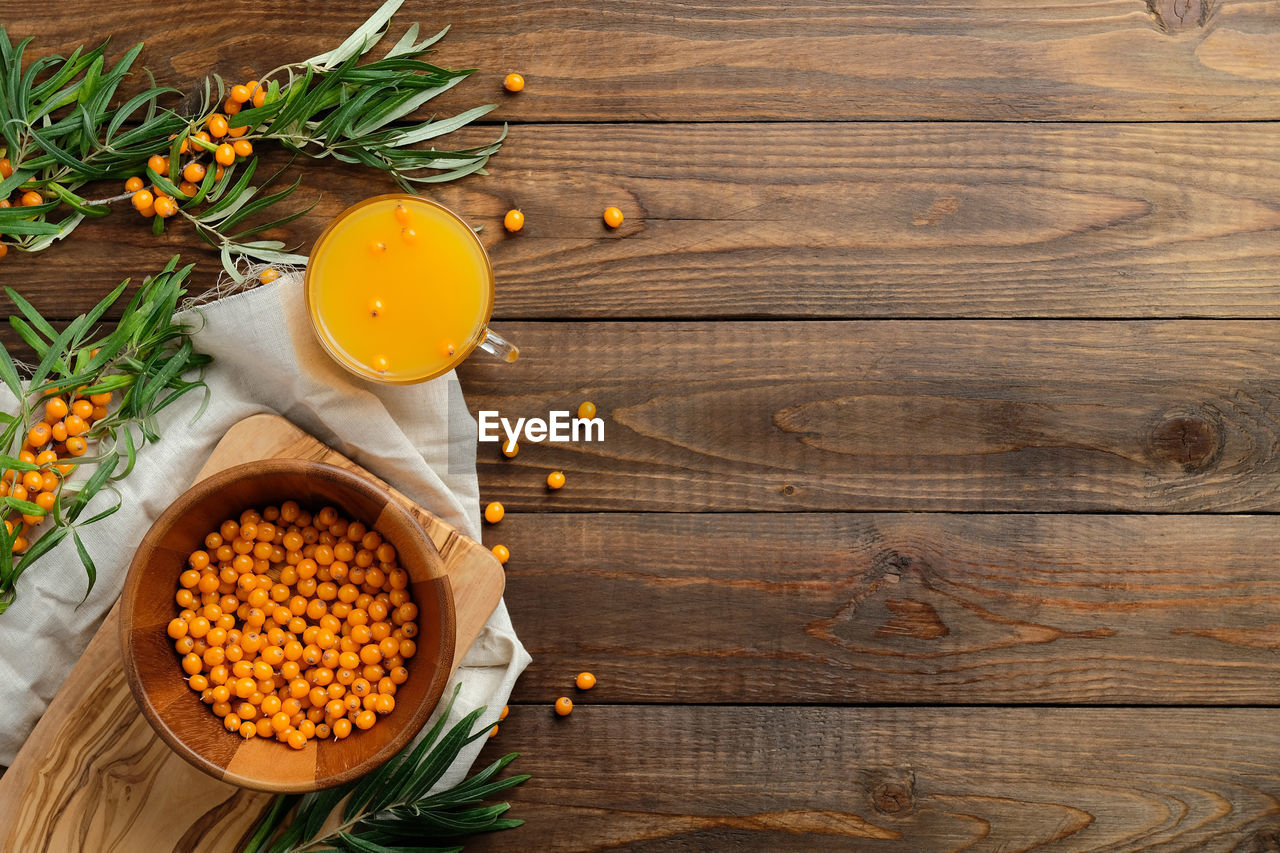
612,217
268,275
194,172
165,207
585,681
240,94
225,155
494,512
493,732
55,409
143,199
188,189
513,221
587,410
564,706
260,96
502,553
82,408
510,449
76,425
133,184
217,124
513,82
506,709
76,445
31,198
555,480
158,163
242,147
38,436
231,107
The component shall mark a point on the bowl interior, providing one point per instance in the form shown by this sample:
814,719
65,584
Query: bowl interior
152,665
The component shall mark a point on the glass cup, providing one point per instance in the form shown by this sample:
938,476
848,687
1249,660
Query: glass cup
385,270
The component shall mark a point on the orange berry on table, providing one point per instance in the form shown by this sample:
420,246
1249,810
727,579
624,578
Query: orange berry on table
165,207
148,211
240,94
513,221
513,82
76,445
217,124
502,553
6,168
38,436
506,709
242,147
4,250
587,410
226,155
31,198
494,512
585,681
564,706
493,732
510,449
158,163
612,217
194,172
133,184
555,479
83,408
143,199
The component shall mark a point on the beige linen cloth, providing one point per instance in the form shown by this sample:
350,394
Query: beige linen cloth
421,438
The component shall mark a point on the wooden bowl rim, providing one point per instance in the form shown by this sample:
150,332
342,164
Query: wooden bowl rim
410,725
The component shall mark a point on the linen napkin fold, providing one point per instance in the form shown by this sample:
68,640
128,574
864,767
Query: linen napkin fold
421,438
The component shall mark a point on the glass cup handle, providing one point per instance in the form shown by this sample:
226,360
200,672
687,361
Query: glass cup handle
499,347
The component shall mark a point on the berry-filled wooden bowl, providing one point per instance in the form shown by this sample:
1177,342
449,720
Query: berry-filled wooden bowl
294,636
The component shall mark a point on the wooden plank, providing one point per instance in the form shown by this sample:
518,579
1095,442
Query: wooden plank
660,60
1015,416
912,608
891,780
819,220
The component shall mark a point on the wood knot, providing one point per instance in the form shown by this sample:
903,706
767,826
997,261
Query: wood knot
892,798
788,490
1190,441
1178,16
911,618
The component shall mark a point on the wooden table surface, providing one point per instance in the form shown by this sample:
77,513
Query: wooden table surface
938,356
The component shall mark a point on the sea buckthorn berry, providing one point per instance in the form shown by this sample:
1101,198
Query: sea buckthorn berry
218,173
77,446
510,449
494,512
242,147
166,207
33,481
513,82
194,172
83,408
564,706
513,221
259,95
55,409
6,168
268,275
217,124
506,709
502,553
158,163
38,436
612,217
230,107
76,425
555,480
133,184
177,628
31,198
237,132
188,189
143,199
240,94
58,431
585,681
226,155
587,410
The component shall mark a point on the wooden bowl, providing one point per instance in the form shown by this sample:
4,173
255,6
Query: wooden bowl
175,710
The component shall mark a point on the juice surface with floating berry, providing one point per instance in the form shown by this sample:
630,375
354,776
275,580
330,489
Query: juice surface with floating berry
399,288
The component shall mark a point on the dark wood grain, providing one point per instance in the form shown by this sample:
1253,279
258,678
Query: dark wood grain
1108,60
1167,416
912,608
817,220
901,780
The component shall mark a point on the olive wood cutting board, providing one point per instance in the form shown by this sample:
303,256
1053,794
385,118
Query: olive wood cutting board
94,776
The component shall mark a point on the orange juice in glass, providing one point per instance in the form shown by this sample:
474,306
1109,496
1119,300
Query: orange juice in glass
400,290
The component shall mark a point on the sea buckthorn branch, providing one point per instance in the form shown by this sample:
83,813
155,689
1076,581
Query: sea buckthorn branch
391,808
59,133
68,404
